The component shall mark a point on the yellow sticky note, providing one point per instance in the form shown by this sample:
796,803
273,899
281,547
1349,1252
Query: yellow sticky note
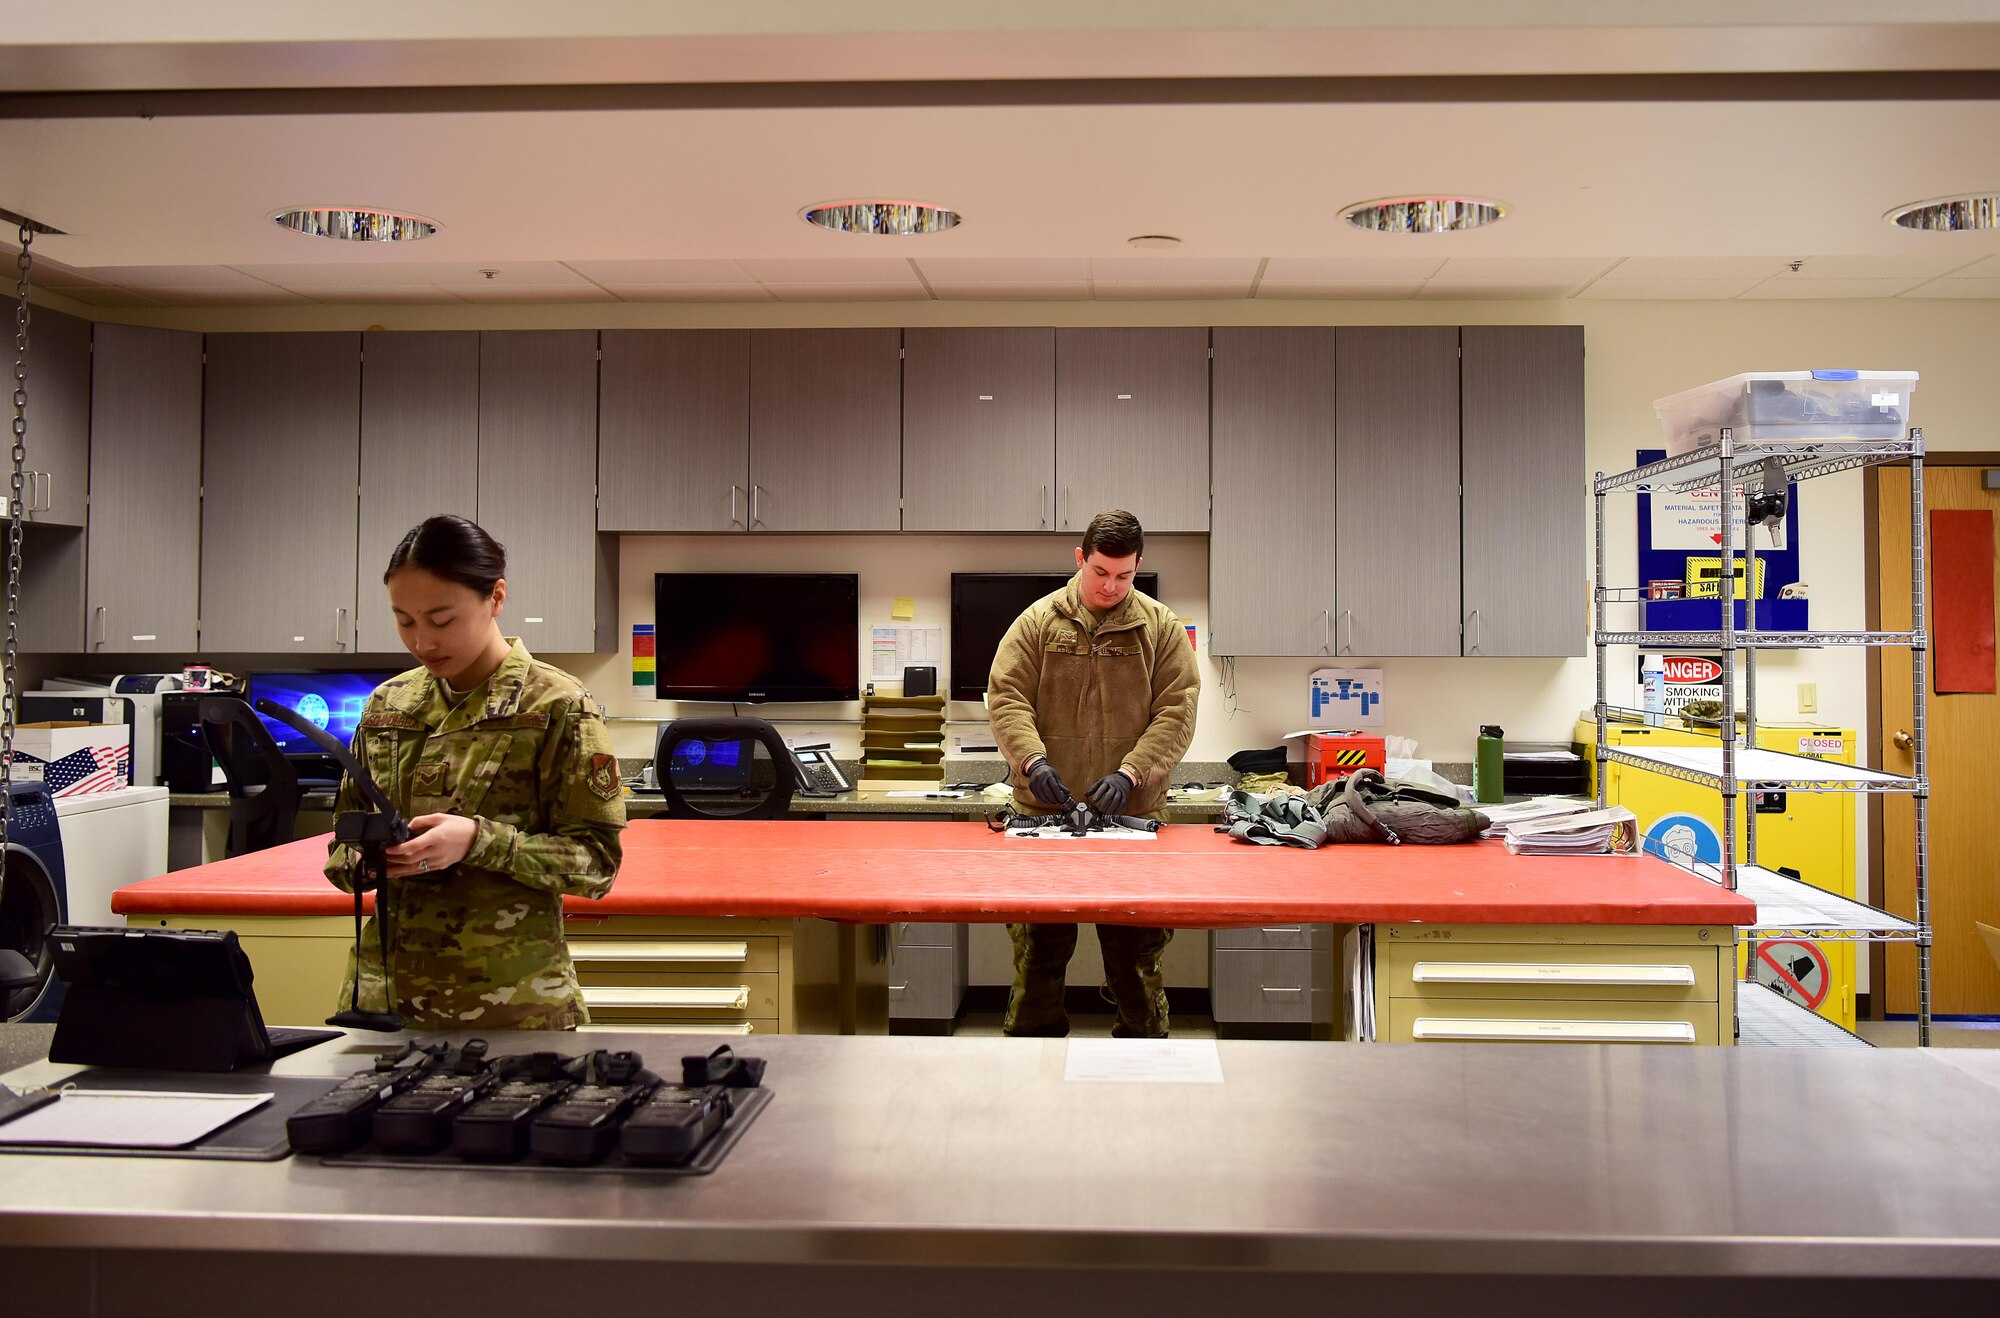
906,608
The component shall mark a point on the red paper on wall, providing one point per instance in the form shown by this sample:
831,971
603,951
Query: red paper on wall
1962,600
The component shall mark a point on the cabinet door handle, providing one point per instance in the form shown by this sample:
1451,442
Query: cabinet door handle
1477,626
100,625
734,490
1347,646
1068,506
1325,636
48,491
755,520
1045,505
340,626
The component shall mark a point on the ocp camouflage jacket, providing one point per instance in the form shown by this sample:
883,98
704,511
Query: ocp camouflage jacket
480,945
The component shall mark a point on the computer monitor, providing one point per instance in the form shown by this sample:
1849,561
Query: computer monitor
985,604
331,700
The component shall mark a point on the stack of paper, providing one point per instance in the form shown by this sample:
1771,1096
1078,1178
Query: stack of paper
1613,830
1505,817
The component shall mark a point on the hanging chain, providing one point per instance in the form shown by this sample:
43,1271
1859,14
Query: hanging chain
16,511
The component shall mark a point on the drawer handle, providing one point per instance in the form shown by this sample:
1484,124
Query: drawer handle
678,999
1284,928
1435,1028
897,988
1272,989
605,949
1501,972
679,1027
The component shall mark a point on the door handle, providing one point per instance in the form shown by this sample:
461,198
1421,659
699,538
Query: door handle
48,491
734,490
1346,646
1325,637
1477,625
1045,506
755,520
100,610
1068,506
1903,740
340,626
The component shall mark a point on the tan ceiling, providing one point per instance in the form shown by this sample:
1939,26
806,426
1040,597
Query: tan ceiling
1613,198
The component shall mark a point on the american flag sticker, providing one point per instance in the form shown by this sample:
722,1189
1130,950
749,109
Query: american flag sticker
83,772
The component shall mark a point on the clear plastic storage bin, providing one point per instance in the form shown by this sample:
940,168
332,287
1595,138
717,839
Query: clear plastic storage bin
1776,406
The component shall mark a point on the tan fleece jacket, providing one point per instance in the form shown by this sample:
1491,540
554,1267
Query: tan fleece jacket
1120,696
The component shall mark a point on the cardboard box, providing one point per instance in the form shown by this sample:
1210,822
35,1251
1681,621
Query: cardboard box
1331,755
75,759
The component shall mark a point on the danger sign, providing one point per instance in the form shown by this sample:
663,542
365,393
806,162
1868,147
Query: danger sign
1794,968
1688,677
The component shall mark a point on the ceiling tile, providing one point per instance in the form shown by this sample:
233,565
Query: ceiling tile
741,291
580,291
1663,289
1985,268
1538,270
1791,286
470,277
1919,265
1027,270
1203,288
340,276
1957,288
1288,269
1177,269
910,292
1747,268
1011,291
1387,290
236,295
1483,290
101,295
853,270
168,279
398,293
635,273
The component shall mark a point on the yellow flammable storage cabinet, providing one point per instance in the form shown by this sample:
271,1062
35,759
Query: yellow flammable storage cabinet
1806,834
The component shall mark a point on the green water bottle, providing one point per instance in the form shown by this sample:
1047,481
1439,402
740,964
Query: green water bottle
1489,766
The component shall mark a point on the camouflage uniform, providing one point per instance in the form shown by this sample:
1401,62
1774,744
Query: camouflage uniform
480,945
1094,695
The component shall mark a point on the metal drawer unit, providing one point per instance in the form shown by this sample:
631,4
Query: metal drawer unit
1555,984
927,974
1261,975
680,982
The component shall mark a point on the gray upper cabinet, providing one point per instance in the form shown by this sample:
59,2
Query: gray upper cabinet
1397,530
1132,426
979,429
538,487
281,458
145,536
1271,552
826,444
58,467
419,452
675,430
1524,467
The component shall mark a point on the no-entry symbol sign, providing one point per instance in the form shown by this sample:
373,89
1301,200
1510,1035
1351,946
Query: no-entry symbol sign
1796,969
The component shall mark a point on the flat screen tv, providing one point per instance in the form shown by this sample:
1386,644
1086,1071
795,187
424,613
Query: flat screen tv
755,636
985,604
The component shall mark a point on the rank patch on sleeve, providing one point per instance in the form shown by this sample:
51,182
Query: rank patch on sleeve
604,776
430,779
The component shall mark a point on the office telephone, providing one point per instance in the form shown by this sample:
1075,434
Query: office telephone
818,775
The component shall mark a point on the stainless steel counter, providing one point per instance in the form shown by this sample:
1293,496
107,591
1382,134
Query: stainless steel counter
974,1156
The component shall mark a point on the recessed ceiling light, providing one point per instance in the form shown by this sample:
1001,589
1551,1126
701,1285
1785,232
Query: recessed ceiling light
1154,240
355,224
1422,214
884,217
1979,210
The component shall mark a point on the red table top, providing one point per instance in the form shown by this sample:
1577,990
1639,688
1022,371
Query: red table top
875,871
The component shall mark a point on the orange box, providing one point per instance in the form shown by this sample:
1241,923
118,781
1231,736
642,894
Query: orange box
1333,755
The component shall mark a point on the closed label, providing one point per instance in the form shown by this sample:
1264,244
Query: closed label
1822,746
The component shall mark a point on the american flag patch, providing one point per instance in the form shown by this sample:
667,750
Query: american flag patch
82,772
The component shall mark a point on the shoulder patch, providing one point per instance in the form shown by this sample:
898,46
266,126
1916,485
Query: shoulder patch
604,776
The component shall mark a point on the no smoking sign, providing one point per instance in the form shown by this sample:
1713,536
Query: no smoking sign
1794,968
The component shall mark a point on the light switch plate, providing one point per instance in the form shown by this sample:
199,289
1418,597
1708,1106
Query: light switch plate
1808,697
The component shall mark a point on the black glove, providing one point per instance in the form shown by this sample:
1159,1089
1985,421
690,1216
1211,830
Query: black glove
1108,794
1047,784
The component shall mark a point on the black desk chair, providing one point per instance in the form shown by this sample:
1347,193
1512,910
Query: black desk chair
263,787
724,768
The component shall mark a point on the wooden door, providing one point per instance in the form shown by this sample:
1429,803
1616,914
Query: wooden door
538,483
979,429
1963,729
1398,524
419,453
1270,551
1522,451
826,414
675,431
281,462
1132,426
145,539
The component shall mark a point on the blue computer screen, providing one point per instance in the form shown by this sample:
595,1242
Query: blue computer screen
332,701
699,762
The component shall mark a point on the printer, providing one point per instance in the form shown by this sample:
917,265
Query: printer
134,699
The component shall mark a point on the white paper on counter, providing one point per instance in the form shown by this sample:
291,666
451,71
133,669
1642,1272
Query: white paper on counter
1143,1061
